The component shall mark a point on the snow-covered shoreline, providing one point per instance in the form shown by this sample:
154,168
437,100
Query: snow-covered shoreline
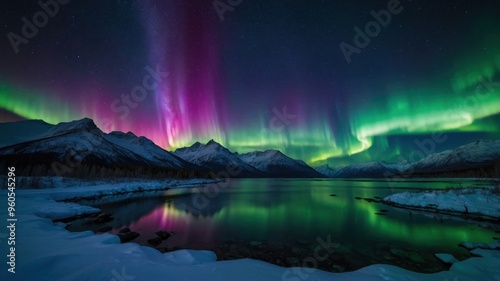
47,251
471,203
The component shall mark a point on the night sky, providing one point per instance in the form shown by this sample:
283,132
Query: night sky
261,75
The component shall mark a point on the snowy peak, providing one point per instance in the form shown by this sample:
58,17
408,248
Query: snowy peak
82,125
276,164
263,158
215,157
212,142
210,147
131,137
148,150
327,171
369,169
214,146
269,163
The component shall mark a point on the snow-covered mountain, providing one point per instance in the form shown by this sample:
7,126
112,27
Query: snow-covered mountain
22,131
216,158
482,153
370,170
327,170
81,145
481,158
148,149
37,145
276,164
77,126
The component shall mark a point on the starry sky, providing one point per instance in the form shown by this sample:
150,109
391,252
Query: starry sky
257,75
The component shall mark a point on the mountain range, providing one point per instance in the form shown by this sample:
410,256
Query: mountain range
79,148
477,159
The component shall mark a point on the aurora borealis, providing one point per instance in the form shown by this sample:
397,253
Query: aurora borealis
271,75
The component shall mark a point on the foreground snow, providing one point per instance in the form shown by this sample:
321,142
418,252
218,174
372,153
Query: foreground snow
46,251
476,202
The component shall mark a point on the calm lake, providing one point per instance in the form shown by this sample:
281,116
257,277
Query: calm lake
281,220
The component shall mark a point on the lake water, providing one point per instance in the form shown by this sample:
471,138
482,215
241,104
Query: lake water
282,221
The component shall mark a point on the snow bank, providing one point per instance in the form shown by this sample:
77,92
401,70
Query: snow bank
484,203
101,188
446,258
46,251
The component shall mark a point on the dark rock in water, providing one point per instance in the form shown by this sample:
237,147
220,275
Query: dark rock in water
381,214
496,238
333,195
104,215
357,198
155,241
377,197
103,218
124,230
383,211
127,237
164,235
105,229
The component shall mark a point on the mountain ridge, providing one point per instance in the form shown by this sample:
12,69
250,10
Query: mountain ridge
36,144
476,159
